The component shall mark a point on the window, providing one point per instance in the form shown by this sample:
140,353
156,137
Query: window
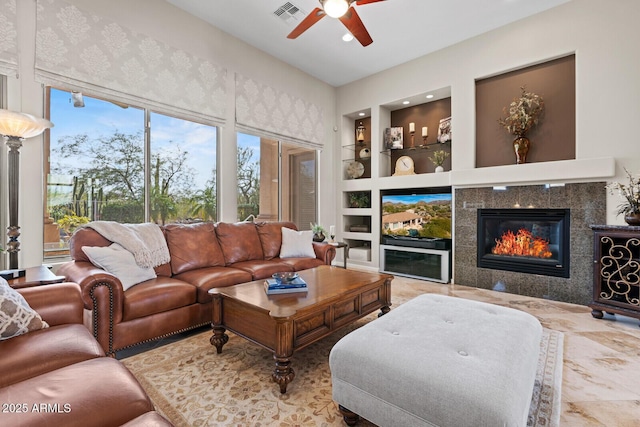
104,164
273,190
183,170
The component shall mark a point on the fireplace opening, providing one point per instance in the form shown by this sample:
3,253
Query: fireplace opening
534,241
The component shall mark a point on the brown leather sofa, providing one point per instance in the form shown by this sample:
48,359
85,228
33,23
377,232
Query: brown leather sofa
60,376
203,256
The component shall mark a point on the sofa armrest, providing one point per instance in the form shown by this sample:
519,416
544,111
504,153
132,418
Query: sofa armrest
89,277
103,296
58,304
324,252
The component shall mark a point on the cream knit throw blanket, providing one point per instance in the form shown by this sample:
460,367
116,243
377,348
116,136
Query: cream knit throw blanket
145,241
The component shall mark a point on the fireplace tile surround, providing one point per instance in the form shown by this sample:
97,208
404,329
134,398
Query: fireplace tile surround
587,204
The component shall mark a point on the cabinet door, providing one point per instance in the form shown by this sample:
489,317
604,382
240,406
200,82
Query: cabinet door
617,278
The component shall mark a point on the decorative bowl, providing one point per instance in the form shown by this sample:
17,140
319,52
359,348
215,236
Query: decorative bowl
285,276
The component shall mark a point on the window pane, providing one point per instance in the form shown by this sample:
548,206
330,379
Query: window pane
271,191
249,162
96,166
183,171
298,186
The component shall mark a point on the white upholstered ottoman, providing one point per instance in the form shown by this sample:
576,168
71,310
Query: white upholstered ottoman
439,361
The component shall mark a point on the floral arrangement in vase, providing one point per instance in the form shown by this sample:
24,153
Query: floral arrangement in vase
631,195
438,159
522,114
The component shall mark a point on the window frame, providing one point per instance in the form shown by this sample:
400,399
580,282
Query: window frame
147,142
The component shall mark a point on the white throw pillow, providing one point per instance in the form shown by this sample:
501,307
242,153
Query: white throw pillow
120,262
16,317
297,244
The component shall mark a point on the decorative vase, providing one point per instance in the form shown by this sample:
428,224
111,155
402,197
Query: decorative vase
632,218
439,169
318,237
521,148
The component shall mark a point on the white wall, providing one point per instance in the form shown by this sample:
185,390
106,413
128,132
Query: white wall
605,38
167,23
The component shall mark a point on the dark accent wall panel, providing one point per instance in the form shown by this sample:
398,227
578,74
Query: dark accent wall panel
555,136
428,114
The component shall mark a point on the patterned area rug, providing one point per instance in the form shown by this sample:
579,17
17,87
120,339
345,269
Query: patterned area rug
191,385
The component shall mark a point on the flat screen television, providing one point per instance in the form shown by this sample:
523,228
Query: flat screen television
416,214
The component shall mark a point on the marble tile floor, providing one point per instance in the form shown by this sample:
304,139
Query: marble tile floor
601,370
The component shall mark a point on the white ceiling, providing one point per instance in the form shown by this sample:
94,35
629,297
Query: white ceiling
402,30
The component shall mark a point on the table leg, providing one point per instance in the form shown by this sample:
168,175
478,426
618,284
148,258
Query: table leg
283,374
219,338
346,255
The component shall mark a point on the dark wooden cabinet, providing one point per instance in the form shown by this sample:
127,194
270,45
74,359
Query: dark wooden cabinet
616,271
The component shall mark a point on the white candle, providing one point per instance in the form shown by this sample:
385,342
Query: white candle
332,230
425,131
412,127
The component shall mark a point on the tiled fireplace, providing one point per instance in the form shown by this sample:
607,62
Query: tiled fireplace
552,219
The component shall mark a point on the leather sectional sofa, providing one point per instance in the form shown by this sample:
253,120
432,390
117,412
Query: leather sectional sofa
203,256
59,376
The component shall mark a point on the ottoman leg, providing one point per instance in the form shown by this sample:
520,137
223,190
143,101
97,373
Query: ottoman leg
349,417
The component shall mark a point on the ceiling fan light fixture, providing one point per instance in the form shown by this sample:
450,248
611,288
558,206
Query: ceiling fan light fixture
335,8
347,37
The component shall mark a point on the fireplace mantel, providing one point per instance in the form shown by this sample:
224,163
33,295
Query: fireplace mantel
536,173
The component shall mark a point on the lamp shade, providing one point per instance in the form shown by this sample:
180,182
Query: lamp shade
335,8
22,125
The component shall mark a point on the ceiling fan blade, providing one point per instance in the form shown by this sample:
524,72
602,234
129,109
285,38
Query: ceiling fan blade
361,2
354,24
316,15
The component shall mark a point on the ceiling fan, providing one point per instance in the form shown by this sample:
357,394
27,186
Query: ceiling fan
341,9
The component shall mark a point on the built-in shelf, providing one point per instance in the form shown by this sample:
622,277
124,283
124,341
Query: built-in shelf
429,146
442,179
356,235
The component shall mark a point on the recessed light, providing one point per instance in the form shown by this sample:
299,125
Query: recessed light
429,96
405,102
347,37
361,114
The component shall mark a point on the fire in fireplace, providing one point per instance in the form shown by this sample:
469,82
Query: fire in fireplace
532,241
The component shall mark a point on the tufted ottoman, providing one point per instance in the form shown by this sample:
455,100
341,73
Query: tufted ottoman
439,361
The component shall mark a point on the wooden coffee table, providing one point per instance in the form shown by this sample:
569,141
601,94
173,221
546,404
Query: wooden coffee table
286,323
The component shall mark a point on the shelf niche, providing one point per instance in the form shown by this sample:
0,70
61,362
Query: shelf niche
428,114
554,138
359,146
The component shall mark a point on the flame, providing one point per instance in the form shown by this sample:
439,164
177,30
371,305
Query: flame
522,244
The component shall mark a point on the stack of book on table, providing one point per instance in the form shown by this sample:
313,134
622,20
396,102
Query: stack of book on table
272,286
